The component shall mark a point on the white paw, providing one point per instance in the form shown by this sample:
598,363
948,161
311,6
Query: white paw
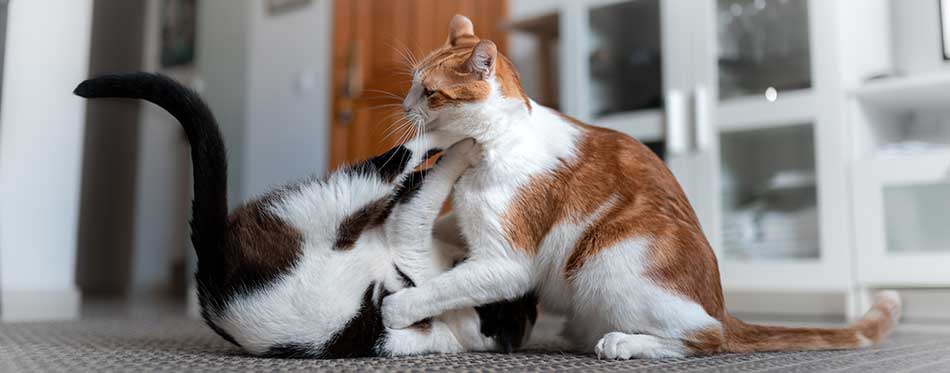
466,150
398,310
622,346
614,346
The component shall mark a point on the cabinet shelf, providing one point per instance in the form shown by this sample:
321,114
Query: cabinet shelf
755,112
919,92
644,125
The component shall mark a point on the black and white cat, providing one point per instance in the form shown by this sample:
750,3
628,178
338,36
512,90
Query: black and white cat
302,271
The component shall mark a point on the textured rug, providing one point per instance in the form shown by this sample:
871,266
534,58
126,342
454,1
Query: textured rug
187,345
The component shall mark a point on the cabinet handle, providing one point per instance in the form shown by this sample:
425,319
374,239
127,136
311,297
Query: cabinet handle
702,129
675,120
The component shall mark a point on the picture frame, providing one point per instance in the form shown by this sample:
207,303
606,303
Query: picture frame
279,7
179,32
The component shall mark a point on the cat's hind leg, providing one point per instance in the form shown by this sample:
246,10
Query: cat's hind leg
621,312
451,332
434,336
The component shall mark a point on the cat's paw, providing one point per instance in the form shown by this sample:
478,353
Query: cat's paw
466,151
398,310
623,346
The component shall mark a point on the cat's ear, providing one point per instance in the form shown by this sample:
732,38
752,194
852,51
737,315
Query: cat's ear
482,60
460,28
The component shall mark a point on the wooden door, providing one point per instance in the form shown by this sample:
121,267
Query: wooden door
370,41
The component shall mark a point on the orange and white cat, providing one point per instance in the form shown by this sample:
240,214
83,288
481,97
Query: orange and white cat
586,217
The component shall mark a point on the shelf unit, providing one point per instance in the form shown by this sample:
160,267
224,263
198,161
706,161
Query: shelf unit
901,192
714,145
925,91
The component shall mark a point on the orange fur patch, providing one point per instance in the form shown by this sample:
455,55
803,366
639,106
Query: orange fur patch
646,202
738,336
444,73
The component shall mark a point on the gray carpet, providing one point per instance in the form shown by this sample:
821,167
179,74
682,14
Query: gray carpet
186,345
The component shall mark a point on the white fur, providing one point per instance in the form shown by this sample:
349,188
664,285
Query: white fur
552,287
609,303
317,298
612,293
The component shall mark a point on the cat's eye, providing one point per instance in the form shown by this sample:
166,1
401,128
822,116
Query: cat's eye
427,92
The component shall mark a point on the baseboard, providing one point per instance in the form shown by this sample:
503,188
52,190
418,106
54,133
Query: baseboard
926,305
920,305
39,305
830,305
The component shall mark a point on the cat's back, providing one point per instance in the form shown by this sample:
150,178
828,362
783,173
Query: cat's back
606,170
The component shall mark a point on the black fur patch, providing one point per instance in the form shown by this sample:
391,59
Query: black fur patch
406,281
432,152
361,334
221,332
410,186
352,227
291,351
387,165
508,322
357,339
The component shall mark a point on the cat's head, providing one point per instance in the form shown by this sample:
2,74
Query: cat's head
462,85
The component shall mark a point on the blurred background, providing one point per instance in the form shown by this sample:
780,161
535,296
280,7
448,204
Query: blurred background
812,136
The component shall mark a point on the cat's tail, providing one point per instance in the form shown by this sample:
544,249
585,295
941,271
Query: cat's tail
210,206
870,329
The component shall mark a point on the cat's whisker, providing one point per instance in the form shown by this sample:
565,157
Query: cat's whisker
391,131
384,93
383,106
402,140
408,58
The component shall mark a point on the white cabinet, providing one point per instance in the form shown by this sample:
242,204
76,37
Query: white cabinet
780,221
902,211
807,173
899,147
745,95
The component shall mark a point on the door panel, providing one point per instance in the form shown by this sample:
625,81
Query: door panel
371,39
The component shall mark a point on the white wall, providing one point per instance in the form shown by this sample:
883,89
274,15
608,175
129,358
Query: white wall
288,96
163,181
266,78
110,154
222,60
40,156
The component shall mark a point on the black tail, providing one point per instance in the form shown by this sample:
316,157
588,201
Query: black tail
210,206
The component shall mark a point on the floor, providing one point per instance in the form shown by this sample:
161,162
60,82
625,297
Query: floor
157,338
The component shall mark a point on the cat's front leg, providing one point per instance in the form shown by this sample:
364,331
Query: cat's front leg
475,282
409,227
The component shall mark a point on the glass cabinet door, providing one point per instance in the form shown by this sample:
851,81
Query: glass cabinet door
763,47
769,195
765,118
623,56
624,68
901,212
602,61
917,218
